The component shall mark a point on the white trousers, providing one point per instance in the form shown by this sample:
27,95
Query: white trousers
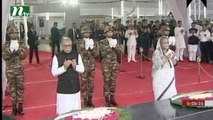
68,102
192,52
179,53
131,50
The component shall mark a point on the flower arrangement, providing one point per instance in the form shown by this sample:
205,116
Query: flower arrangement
102,113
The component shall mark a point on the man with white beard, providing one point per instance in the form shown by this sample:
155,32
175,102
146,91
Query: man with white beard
180,42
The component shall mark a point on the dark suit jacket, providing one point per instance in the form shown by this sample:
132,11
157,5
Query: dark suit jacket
77,34
32,38
55,35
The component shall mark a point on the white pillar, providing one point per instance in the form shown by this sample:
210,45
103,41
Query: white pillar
138,16
72,14
199,9
195,10
204,12
122,12
112,12
160,8
25,26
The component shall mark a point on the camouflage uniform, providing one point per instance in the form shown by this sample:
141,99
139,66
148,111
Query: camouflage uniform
110,67
88,58
15,70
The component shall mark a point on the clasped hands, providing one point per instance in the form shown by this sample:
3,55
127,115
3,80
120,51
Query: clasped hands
89,44
113,43
170,54
14,46
72,62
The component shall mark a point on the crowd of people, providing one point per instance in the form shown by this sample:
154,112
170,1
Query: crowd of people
100,40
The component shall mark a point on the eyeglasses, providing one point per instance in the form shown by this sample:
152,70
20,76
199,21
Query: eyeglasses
67,45
14,33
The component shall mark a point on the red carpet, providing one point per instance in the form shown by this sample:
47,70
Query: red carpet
40,86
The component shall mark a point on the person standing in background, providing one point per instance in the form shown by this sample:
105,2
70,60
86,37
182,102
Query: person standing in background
109,51
33,43
193,42
13,52
131,34
204,36
74,34
66,65
180,42
144,42
87,48
55,38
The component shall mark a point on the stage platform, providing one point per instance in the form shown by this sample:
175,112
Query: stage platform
163,110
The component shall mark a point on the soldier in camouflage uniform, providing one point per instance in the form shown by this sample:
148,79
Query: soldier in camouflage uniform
109,51
14,51
88,50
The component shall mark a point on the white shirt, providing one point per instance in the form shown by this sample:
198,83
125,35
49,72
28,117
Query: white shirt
56,70
205,38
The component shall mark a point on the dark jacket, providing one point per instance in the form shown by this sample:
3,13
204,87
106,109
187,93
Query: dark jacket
68,82
72,36
32,38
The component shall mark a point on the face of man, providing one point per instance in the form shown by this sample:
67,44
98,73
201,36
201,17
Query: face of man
14,34
179,24
86,34
74,25
166,32
67,45
193,25
109,34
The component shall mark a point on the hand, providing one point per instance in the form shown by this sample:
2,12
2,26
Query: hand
114,43
169,54
87,45
141,49
67,63
73,62
91,46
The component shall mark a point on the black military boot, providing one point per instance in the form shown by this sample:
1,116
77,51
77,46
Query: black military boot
20,109
90,102
86,103
107,100
14,110
112,101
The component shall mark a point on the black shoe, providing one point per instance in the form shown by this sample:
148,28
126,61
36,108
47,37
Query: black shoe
86,103
112,101
14,110
20,109
107,100
90,102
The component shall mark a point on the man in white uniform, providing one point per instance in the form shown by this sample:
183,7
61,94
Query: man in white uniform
66,65
180,42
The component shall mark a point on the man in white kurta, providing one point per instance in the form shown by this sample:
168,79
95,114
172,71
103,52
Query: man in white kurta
131,34
180,42
66,65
